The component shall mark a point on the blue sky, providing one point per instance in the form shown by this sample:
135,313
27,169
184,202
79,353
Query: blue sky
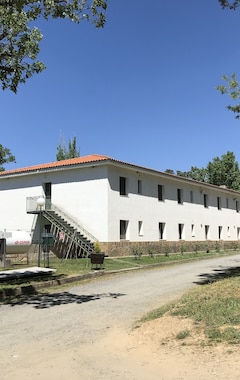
141,90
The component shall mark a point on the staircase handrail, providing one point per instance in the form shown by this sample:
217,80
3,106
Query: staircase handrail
74,224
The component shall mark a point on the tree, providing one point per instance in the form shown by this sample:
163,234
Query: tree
221,171
232,86
198,174
224,171
5,157
19,40
64,153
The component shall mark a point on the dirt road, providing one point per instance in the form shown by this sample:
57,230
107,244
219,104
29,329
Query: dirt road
85,332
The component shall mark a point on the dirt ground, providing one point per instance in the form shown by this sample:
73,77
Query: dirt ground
188,358
150,351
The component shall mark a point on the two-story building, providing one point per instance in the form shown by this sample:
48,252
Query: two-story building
97,198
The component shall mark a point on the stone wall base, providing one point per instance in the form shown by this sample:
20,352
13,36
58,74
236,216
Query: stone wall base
127,248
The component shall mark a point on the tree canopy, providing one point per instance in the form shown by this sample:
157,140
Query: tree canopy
5,157
63,153
221,171
19,39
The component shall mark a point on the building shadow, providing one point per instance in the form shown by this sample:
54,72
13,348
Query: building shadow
46,300
217,275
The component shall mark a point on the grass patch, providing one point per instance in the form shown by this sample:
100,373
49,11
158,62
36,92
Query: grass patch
77,267
183,334
215,306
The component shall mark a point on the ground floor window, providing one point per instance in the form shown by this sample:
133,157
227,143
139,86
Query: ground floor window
206,232
238,233
192,230
228,232
219,232
140,228
180,231
123,229
161,228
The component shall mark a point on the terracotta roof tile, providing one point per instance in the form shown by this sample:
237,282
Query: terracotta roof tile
56,164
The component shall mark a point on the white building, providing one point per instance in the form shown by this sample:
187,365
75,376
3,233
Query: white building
118,204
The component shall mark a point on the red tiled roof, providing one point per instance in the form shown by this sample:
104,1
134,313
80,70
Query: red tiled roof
56,164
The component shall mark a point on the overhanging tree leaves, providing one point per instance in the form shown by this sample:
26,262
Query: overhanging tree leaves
19,39
231,86
5,157
230,4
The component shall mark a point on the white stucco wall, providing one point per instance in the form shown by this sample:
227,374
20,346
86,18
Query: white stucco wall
150,211
91,196
81,193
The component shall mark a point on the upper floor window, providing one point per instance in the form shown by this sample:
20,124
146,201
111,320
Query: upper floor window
180,196
219,206
123,185
139,189
227,203
205,200
191,196
237,206
160,192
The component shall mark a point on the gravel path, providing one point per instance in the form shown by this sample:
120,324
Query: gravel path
85,332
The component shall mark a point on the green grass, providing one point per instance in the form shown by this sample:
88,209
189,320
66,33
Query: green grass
67,268
215,306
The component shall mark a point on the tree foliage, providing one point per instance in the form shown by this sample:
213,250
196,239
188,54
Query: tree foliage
199,174
230,4
19,39
231,86
71,151
5,157
221,171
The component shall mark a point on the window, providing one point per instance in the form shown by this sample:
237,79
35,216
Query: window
123,229
192,230
179,196
191,196
228,231
160,192
219,232
139,189
206,232
140,228
227,203
161,228
238,233
123,185
180,231
219,203
237,206
205,200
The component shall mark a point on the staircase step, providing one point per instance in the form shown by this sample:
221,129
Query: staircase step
74,244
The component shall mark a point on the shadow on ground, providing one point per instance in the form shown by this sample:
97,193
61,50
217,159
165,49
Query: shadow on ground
217,275
45,300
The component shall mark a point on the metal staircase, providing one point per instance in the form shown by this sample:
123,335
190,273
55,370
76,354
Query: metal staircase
70,239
